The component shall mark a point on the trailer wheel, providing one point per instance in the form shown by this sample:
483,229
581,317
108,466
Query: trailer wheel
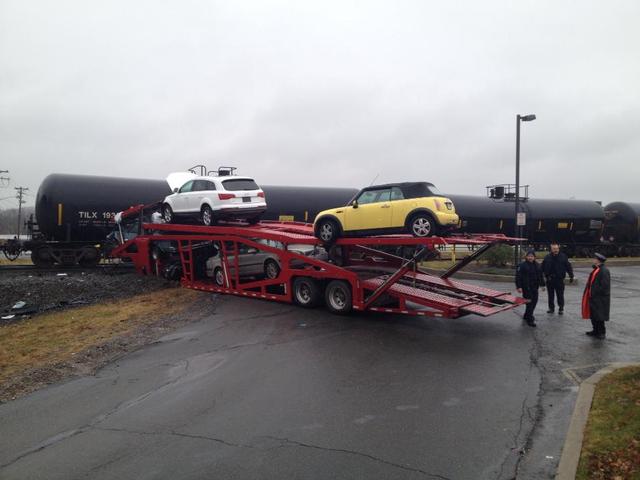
306,292
422,225
218,276
271,269
167,213
338,297
206,215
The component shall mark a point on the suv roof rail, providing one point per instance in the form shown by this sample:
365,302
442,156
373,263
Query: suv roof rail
201,168
226,171
203,171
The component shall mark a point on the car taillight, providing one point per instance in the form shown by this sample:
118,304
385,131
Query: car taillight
261,194
226,196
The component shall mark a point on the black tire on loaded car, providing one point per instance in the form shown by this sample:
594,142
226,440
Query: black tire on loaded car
271,269
206,215
167,213
422,225
327,230
218,276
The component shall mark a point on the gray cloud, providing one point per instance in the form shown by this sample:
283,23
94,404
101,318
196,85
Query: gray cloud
325,93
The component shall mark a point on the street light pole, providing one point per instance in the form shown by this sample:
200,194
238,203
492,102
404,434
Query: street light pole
519,118
516,232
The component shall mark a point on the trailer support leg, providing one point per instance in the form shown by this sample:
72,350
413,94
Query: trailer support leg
467,260
384,286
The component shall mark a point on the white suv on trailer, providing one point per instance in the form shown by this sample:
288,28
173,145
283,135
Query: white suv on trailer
211,198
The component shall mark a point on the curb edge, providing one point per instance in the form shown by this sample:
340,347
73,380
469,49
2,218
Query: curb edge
572,448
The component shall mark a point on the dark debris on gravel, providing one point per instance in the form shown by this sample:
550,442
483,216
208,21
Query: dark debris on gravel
42,292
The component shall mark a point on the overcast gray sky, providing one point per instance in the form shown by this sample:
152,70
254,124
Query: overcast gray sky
325,93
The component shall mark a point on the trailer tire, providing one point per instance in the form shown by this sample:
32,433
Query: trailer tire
306,292
338,297
218,277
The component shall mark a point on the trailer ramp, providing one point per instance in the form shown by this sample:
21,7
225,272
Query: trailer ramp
444,298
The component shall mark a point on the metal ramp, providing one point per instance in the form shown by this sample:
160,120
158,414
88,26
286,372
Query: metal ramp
453,299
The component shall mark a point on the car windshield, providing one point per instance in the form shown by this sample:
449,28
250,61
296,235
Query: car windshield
240,184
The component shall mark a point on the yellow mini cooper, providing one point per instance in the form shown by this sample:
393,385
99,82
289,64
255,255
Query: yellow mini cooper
412,207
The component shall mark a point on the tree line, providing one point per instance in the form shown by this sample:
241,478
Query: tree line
9,220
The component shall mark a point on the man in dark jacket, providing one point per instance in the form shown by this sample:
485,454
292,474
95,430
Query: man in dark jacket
528,279
555,267
596,299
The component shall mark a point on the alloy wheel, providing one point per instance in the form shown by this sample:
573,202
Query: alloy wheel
421,227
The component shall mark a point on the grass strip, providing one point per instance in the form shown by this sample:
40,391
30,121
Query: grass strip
56,337
611,445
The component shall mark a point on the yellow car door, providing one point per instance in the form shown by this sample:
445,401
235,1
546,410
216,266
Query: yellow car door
400,207
372,210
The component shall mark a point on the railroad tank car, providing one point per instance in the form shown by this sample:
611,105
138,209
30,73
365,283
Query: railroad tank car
75,212
303,203
81,208
575,224
622,228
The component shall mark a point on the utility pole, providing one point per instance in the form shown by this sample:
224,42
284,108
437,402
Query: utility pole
4,179
19,196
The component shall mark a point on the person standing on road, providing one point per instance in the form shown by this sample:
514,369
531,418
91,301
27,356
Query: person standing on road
529,279
596,298
555,267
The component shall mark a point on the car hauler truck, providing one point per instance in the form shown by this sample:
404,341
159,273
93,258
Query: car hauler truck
285,262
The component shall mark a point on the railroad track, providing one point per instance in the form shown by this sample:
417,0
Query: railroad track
111,268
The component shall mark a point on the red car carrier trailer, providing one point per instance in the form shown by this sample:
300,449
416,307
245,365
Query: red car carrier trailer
285,262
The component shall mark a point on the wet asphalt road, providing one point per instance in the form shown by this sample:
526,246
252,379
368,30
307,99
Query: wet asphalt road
269,391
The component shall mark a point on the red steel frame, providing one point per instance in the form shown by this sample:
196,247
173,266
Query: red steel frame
371,276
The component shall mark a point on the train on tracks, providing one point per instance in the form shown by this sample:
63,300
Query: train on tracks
75,215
